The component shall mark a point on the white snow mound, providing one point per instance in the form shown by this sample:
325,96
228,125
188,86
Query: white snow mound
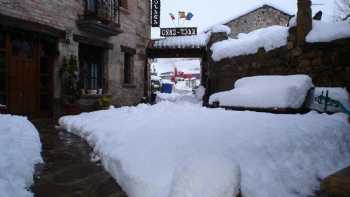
327,32
269,38
20,150
178,98
272,91
206,176
147,148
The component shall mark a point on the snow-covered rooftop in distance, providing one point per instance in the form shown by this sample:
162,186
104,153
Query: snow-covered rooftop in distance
251,9
197,41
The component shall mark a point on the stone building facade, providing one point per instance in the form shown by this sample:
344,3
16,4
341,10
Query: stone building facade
108,38
260,17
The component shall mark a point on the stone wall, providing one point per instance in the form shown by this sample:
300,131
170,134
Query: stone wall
135,24
327,63
259,18
63,15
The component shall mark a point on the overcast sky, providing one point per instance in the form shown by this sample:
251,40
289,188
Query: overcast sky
210,12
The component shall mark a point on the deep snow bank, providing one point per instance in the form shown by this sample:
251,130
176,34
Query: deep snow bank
327,32
20,149
278,155
268,38
270,91
206,175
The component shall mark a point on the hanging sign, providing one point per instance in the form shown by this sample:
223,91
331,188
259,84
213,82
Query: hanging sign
182,31
155,20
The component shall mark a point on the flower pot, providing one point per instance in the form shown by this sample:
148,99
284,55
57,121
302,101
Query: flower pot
71,109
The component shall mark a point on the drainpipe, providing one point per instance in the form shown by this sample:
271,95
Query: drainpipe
304,21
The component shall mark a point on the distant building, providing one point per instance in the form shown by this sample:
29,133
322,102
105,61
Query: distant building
256,18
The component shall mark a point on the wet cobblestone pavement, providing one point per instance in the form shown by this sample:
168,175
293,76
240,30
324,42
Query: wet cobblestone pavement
68,170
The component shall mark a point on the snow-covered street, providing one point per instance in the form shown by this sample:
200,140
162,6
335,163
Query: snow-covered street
165,98
20,150
186,150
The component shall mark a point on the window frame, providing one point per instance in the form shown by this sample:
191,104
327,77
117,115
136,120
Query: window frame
91,69
128,64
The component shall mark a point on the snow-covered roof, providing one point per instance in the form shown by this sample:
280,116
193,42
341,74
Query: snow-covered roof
247,11
197,41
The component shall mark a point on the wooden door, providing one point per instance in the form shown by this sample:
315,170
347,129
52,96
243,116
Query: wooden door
23,76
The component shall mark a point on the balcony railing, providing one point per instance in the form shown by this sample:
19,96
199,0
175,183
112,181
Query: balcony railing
101,16
104,10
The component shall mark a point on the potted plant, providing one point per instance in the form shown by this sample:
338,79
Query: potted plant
104,102
69,85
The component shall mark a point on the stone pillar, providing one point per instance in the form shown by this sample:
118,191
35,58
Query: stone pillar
304,20
210,77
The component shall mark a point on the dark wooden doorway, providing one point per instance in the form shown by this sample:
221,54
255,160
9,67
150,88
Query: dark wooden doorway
23,77
28,78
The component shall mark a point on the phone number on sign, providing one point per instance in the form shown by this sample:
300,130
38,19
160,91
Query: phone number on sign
167,32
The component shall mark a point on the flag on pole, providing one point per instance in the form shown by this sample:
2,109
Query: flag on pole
182,14
172,16
189,16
